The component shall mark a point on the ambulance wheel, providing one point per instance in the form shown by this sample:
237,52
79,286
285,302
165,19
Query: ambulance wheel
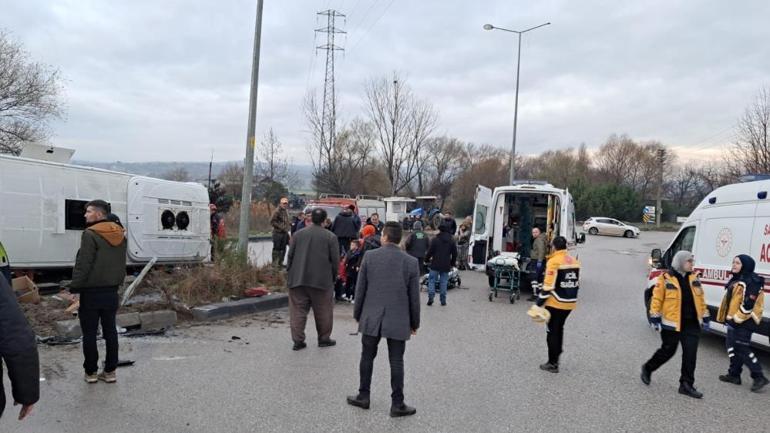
593,231
490,297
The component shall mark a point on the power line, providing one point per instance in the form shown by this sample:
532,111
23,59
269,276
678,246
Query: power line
362,35
366,33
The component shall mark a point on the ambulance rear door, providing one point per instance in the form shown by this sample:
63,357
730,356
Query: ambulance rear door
482,224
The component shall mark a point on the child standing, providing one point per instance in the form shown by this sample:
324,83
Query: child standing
352,265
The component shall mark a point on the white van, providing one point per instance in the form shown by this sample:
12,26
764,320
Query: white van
524,205
731,220
42,206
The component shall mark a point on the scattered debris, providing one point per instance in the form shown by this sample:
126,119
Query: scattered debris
235,337
57,341
145,333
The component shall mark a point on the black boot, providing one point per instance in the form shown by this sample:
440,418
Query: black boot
551,368
759,383
689,390
358,401
730,379
299,345
402,410
646,375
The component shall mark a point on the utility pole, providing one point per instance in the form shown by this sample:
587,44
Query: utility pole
329,113
661,153
248,162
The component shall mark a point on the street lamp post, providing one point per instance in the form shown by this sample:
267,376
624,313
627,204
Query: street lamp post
516,101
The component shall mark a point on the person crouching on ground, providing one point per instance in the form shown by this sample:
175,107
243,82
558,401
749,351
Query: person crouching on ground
741,312
100,268
352,265
678,311
559,297
387,306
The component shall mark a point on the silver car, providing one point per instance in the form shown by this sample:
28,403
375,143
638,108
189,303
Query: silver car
609,226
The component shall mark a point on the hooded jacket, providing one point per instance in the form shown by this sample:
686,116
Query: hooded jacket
743,302
18,350
100,265
346,225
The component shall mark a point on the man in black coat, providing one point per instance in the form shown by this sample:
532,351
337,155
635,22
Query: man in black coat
18,350
417,245
387,306
442,255
314,256
346,226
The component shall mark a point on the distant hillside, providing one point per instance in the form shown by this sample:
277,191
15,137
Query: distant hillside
199,171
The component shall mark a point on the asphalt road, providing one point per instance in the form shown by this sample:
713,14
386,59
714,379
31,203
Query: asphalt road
473,367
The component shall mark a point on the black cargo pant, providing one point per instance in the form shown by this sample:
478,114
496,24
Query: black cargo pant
688,338
96,308
280,242
739,351
396,349
555,336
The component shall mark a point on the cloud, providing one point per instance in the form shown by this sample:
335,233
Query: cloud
149,80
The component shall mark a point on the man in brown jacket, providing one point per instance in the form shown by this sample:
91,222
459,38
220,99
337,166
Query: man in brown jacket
100,267
281,228
313,259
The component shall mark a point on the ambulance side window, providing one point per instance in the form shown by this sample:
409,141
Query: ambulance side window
684,241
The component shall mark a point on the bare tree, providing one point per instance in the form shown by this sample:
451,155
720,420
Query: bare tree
231,179
271,163
443,163
179,174
401,124
752,148
29,94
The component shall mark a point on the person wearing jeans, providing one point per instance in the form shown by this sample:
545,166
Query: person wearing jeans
442,255
100,267
741,312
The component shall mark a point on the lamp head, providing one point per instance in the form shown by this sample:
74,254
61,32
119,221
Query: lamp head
488,27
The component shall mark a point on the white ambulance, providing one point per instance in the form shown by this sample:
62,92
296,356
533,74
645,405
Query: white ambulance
731,220
503,220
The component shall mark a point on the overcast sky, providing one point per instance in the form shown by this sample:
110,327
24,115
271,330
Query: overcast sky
167,80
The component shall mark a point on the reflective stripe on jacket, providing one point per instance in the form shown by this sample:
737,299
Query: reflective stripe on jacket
561,283
667,301
742,304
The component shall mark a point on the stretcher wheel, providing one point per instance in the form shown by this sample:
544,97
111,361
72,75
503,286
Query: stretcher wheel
513,299
490,297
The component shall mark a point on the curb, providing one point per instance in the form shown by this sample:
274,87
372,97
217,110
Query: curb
260,238
226,310
148,321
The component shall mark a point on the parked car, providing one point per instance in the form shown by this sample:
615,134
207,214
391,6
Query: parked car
609,226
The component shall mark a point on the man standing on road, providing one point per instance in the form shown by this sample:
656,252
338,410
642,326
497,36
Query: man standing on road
442,255
312,270
678,311
346,226
559,296
281,227
387,306
417,245
100,268
537,262
18,351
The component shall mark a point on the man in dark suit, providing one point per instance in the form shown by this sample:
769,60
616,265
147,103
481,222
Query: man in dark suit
314,255
387,306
